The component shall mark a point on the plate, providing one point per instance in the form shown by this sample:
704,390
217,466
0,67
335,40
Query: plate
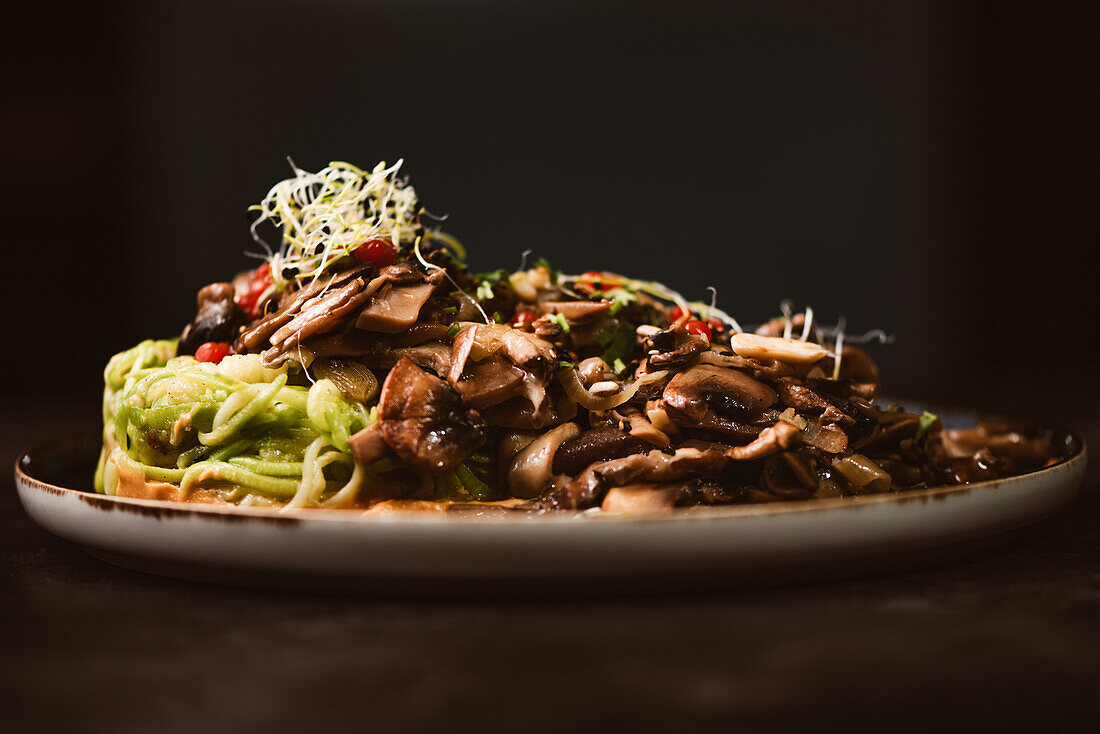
433,554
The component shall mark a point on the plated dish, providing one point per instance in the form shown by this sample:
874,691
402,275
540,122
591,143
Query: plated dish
362,366
481,548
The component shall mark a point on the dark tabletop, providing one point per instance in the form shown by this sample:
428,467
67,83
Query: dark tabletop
1007,638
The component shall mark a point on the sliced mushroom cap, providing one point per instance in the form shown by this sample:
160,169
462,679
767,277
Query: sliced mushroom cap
368,445
597,444
319,315
590,485
460,352
533,409
641,427
394,308
434,356
790,351
530,470
727,391
488,382
642,499
578,311
800,396
528,351
423,420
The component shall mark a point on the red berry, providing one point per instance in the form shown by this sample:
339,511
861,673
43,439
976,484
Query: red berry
212,352
698,327
377,252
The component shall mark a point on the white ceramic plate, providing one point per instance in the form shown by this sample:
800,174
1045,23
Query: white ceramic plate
432,553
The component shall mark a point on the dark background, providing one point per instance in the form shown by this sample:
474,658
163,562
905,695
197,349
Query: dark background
922,167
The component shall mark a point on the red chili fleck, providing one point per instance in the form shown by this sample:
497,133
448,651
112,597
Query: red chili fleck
698,327
594,280
377,252
522,319
676,315
261,281
212,352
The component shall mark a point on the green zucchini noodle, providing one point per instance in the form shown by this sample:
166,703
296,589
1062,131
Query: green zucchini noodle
237,429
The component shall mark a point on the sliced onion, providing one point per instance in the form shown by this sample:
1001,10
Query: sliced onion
829,440
353,379
862,473
487,339
575,390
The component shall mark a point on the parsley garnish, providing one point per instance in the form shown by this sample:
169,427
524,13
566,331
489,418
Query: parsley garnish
617,340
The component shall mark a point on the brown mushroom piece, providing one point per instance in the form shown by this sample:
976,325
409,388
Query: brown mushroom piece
321,314
643,498
423,420
394,308
800,396
528,351
488,382
290,304
596,444
218,318
535,408
771,440
434,356
673,347
368,445
642,428
589,487
576,311
727,391
530,470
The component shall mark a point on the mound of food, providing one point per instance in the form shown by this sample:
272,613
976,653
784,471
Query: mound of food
361,365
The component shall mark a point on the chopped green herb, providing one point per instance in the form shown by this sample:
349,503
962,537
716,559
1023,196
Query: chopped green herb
568,365
560,320
454,329
620,299
619,366
924,424
450,310
485,291
498,318
486,282
617,340
469,481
